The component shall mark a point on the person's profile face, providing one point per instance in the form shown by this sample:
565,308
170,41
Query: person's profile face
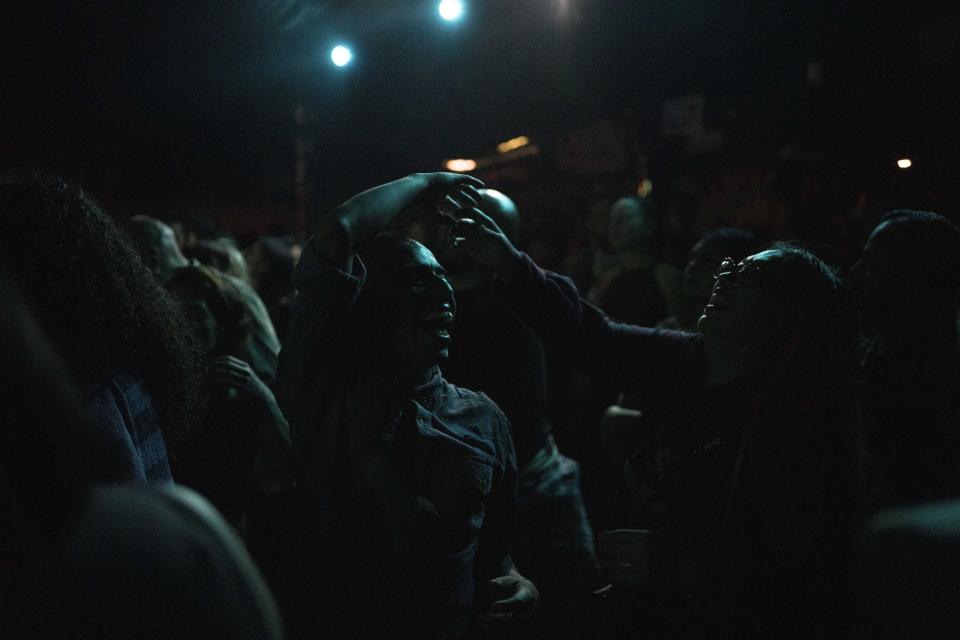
740,315
422,305
201,319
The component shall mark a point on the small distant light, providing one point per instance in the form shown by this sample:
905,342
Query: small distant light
450,10
341,55
513,143
904,163
461,165
645,188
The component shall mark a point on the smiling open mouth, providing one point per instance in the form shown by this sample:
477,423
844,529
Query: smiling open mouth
438,324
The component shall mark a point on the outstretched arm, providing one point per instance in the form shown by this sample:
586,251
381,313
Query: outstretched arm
366,214
628,356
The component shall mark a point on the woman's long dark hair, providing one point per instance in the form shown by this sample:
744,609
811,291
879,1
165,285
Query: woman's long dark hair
810,368
94,297
816,352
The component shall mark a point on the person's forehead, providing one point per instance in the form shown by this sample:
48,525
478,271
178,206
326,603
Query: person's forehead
883,237
417,255
763,258
708,253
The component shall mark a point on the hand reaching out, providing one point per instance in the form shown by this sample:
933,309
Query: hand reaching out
447,194
366,214
478,235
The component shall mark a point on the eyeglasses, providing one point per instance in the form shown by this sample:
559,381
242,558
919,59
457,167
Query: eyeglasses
740,275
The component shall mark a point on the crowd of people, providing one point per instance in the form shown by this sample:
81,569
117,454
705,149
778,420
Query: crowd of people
407,428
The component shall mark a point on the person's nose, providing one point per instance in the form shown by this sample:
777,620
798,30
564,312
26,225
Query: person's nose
441,290
725,270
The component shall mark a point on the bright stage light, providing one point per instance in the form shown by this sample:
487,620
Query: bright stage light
451,10
341,55
513,143
904,163
460,165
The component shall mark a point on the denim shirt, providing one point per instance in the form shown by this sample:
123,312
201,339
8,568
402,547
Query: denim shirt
406,500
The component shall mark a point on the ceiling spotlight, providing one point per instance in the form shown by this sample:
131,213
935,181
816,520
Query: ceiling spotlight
451,10
904,163
341,55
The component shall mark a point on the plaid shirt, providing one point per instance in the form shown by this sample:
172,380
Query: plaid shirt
129,424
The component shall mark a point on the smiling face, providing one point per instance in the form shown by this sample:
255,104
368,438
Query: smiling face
741,314
420,302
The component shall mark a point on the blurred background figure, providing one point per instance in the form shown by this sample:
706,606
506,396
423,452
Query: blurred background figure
223,255
631,283
270,265
908,289
237,455
156,243
642,289
243,430
597,260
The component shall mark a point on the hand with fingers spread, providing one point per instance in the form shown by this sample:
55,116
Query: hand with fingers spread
453,191
363,216
478,235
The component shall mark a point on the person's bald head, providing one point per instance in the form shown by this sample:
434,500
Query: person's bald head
464,272
157,245
501,210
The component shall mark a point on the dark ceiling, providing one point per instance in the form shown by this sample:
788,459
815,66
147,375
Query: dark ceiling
185,96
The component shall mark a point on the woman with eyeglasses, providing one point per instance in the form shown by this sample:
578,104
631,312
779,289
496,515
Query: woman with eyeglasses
747,496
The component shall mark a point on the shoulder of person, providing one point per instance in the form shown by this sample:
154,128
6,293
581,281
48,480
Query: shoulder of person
489,416
134,543
469,397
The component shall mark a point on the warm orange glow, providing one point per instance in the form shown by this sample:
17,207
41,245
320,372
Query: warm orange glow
904,163
460,165
513,143
645,188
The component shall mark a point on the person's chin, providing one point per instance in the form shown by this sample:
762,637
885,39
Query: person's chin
434,354
702,321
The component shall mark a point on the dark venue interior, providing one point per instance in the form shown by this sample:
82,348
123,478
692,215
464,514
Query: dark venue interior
505,319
